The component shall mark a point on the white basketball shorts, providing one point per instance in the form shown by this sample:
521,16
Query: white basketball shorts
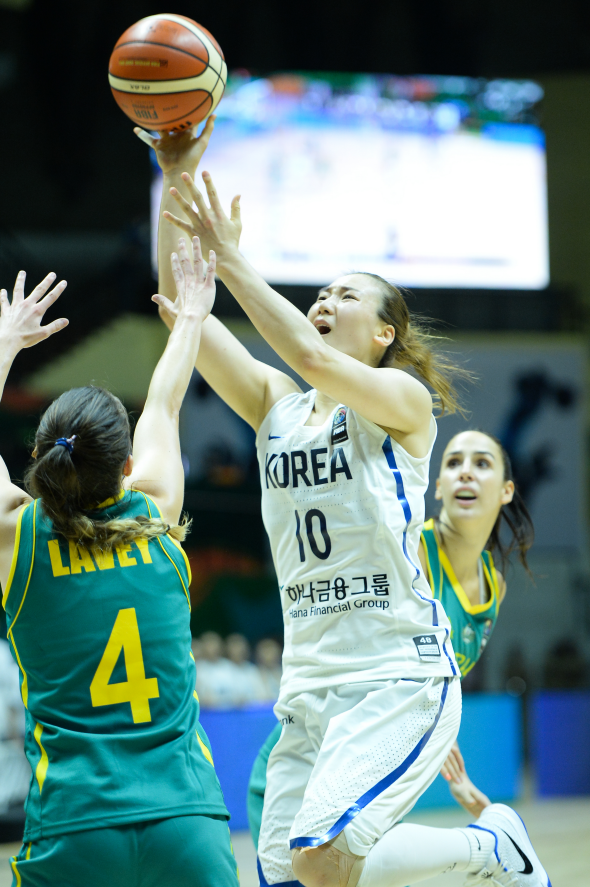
354,758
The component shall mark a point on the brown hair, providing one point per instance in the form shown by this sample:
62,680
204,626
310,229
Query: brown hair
413,347
515,515
71,485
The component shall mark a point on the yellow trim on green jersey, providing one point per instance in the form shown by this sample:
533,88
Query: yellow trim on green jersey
108,502
14,554
148,499
471,624
16,872
24,688
41,770
13,623
205,751
458,588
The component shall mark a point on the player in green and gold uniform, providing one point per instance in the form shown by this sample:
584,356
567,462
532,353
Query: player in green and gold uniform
477,492
95,588
472,623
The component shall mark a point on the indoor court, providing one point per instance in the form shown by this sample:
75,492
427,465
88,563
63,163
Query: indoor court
294,443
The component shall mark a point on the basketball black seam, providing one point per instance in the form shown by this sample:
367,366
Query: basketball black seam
166,46
170,79
147,95
192,33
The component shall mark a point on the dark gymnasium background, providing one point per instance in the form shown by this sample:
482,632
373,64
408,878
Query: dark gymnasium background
75,198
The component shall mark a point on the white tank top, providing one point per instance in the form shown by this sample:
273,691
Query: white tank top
343,506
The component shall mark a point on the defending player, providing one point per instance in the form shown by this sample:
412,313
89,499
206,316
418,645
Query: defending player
477,491
96,594
370,697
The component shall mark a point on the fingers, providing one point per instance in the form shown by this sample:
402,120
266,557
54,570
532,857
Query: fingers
185,260
235,214
42,287
184,205
149,140
164,303
180,223
212,195
4,303
55,326
51,296
18,292
177,274
456,751
198,257
207,130
197,197
210,276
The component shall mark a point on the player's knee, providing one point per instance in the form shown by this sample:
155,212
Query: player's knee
323,866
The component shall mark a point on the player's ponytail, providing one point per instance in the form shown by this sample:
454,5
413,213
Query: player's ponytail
81,447
415,346
515,515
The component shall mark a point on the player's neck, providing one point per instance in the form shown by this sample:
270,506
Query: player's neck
463,544
322,408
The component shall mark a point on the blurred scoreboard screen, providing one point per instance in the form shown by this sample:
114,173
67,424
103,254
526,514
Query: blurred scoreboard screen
427,181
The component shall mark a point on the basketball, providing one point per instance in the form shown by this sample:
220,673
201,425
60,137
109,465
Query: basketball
167,72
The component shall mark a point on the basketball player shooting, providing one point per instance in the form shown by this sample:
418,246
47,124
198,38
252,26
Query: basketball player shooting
370,697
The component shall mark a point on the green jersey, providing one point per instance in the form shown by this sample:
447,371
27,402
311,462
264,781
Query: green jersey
471,624
102,641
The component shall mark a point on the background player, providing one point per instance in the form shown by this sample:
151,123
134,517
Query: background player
456,552
383,715
96,594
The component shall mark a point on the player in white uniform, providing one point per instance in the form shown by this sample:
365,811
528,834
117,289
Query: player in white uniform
370,698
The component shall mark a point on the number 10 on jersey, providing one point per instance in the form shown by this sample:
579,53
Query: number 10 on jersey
311,516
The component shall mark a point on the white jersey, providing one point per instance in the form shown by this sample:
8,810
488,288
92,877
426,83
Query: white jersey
343,506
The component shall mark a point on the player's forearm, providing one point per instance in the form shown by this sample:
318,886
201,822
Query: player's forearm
8,352
174,370
168,235
283,326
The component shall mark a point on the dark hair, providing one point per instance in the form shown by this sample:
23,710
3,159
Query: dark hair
413,347
71,485
515,515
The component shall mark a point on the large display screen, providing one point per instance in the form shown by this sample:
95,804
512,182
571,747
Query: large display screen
427,181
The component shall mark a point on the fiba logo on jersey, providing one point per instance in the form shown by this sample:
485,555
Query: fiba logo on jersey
339,432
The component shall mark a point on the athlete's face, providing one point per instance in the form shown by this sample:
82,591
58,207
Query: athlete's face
346,315
471,482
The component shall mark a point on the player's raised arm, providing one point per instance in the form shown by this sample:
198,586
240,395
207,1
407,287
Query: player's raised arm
20,327
349,309
248,386
157,466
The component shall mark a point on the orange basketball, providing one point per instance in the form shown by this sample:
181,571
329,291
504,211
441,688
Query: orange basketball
167,72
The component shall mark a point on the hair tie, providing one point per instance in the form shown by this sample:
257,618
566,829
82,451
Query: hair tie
67,442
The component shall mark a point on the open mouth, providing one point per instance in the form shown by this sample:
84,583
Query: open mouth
465,495
323,329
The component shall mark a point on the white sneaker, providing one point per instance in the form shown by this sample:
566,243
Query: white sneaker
513,862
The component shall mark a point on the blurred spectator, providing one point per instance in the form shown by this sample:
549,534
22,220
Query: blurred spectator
233,680
268,659
215,673
15,773
565,668
248,684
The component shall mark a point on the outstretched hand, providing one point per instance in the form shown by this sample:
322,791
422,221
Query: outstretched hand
20,320
209,223
176,151
463,790
195,287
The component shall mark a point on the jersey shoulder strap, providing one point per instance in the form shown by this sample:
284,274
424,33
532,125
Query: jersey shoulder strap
22,562
171,547
491,577
431,550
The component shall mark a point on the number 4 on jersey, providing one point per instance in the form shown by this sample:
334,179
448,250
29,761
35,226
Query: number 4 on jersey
137,689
